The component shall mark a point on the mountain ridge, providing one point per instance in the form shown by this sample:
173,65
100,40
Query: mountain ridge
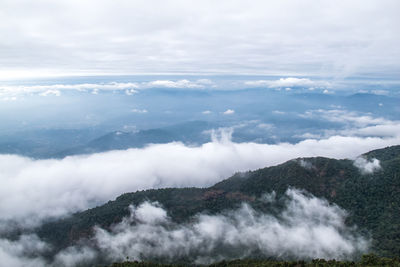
366,197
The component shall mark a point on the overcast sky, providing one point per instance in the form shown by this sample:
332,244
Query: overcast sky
331,38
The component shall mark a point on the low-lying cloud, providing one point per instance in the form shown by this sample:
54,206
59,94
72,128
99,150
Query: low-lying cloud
367,166
128,87
228,112
353,124
35,189
23,252
307,227
352,118
305,164
287,83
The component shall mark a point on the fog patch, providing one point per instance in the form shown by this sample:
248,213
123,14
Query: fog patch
306,228
367,166
268,197
74,256
305,164
24,252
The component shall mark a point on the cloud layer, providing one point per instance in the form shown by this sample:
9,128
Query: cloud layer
36,189
285,37
307,227
127,87
288,82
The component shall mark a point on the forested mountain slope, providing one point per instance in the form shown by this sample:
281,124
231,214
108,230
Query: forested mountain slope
372,198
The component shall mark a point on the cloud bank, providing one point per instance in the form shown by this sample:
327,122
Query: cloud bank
351,118
284,38
36,189
305,228
308,227
287,83
353,124
128,87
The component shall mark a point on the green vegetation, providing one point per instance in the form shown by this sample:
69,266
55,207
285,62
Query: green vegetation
372,200
366,260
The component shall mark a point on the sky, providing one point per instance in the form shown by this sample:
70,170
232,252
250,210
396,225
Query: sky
96,37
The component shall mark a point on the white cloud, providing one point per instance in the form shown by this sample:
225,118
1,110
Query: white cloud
56,89
354,124
130,91
74,256
305,164
36,189
199,84
130,88
23,252
140,111
206,112
150,214
382,130
229,112
380,92
284,83
307,228
51,92
355,119
367,166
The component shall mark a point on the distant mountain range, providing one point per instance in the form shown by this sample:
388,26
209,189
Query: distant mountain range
372,199
261,116
189,132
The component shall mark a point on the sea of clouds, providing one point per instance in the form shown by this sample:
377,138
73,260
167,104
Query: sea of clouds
35,190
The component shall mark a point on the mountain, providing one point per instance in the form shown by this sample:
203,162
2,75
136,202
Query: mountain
187,132
370,260
372,200
43,143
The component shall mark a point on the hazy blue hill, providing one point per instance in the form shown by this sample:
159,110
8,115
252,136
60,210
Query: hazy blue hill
124,140
372,200
165,115
381,105
192,132
43,143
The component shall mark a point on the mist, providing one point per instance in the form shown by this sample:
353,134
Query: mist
307,227
33,190
367,166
